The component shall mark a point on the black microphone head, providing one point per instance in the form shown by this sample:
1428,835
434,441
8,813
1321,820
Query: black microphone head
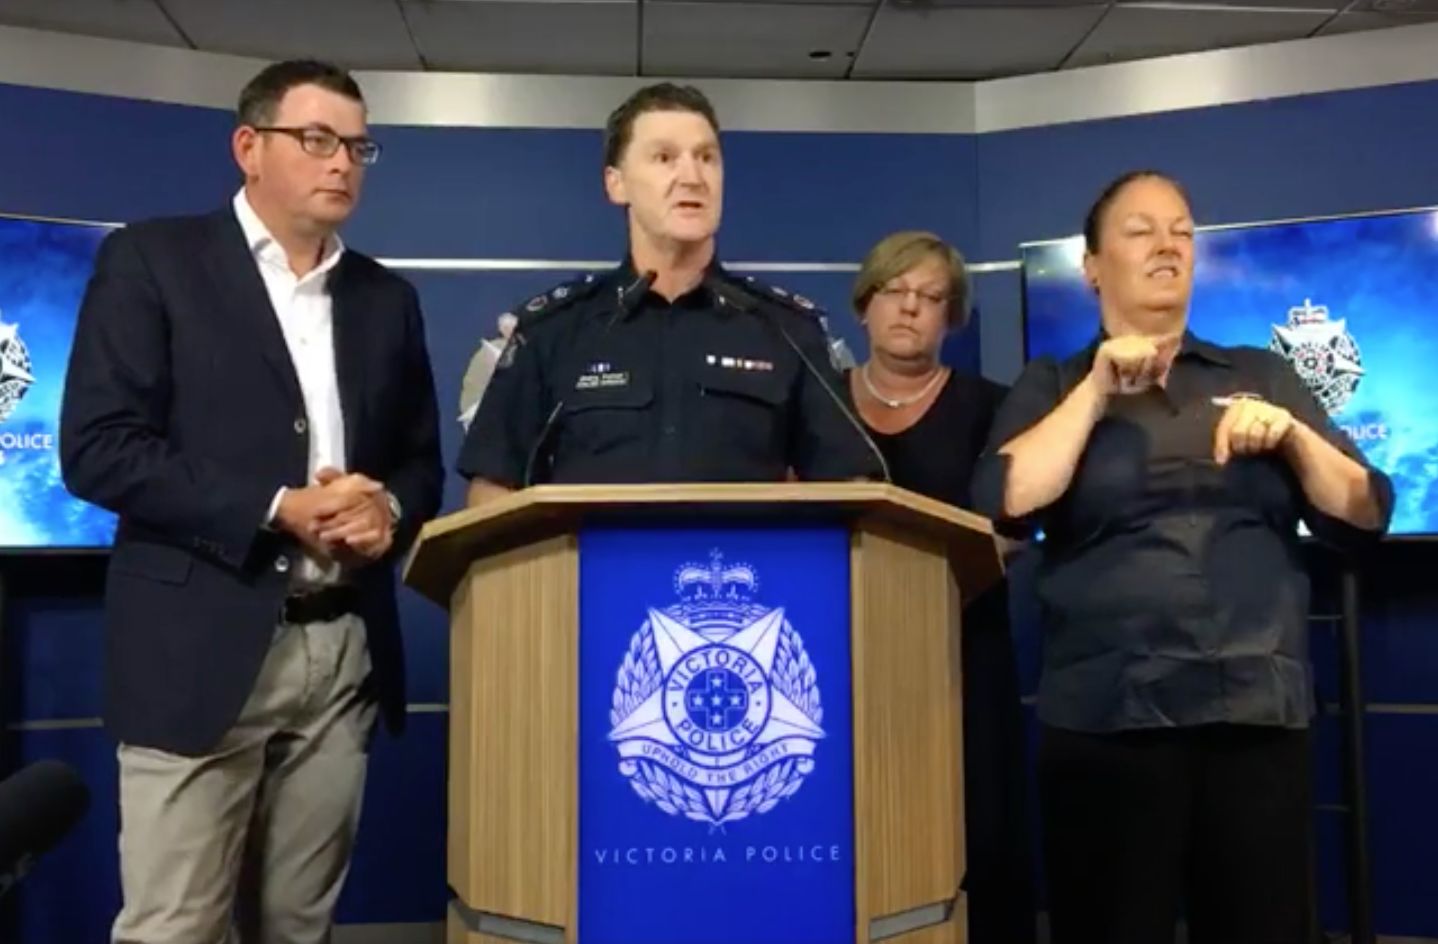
39,805
631,293
729,294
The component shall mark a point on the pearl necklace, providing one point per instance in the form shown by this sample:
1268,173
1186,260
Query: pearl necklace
895,404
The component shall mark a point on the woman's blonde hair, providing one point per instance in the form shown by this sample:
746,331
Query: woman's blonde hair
899,252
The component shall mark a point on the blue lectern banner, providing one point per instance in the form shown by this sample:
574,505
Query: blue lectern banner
716,751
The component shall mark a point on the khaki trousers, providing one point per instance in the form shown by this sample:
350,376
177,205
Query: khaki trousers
252,843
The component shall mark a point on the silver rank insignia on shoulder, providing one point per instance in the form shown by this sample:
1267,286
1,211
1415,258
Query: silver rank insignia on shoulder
511,349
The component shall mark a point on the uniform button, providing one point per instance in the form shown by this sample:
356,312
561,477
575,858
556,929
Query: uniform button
301,426
282,564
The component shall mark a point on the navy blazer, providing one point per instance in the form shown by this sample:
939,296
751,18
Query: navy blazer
183,415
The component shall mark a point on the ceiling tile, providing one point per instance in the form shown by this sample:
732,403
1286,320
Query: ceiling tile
587,38
1396,6
750,39
357,34
969,43
1130,32
994,5
765,3
138,21
1356,22
1297,6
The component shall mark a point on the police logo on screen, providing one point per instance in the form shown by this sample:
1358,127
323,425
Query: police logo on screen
716,713
1322,352
15,375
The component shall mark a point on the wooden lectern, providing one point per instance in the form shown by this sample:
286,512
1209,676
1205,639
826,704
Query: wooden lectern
510,575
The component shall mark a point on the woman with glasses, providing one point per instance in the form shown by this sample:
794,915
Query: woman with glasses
931,423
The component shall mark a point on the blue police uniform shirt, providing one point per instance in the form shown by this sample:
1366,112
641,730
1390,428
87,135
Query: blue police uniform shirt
1172,589
702,389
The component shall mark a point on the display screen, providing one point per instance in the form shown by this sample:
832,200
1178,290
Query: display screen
44,266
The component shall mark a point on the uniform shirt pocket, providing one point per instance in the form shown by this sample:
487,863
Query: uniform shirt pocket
607,415
745,409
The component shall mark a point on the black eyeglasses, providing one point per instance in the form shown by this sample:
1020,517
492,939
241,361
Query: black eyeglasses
322,142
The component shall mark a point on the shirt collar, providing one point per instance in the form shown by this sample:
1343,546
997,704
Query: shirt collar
1191,346
1197,347
265,248
626,275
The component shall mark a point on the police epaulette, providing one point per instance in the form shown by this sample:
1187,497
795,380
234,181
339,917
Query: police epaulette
782,297
840,357
557,299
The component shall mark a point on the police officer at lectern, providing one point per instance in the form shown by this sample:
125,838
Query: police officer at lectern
667,368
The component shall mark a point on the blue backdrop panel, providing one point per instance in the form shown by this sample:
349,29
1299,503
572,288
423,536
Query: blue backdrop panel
397,874
1400,646
539,194
487,192
1280,158
1404,781
716,754
829,197
92,157
53,652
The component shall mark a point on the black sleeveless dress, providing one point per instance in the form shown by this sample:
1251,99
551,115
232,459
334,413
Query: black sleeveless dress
935,457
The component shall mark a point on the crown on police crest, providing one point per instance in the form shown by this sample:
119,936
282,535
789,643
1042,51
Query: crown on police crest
1307,314
716,595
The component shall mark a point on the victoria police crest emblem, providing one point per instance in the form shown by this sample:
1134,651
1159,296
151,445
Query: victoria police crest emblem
1322,352
716,710
15,371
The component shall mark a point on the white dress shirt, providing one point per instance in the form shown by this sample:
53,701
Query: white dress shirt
306,314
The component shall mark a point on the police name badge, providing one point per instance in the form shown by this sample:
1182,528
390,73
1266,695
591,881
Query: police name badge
600,375
716,711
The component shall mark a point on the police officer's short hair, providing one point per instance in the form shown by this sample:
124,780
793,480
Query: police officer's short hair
899,252
261,97
665,96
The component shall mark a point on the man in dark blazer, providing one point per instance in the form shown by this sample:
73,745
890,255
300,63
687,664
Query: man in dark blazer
255,402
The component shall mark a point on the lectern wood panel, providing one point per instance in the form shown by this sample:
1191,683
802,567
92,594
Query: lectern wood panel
908,785
514,679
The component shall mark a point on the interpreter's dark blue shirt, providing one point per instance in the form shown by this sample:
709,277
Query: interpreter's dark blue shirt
1172,589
